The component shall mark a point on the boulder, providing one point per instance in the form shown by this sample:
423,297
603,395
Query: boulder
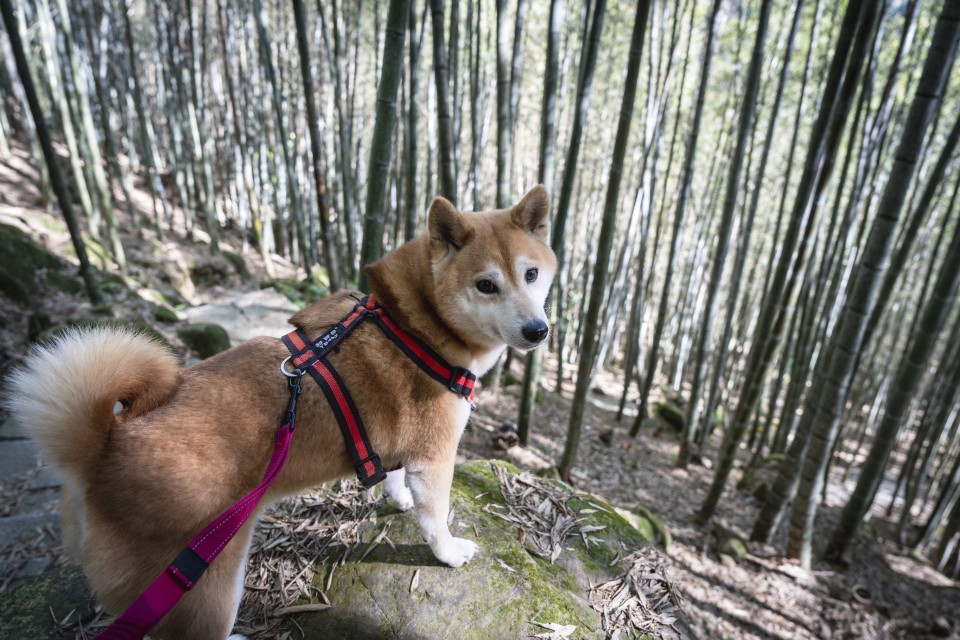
204,338
24,262
759,478
549,558
670,414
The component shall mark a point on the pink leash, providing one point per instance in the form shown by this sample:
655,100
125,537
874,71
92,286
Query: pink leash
183,573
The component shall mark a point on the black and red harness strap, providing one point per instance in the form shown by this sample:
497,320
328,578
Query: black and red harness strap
311,356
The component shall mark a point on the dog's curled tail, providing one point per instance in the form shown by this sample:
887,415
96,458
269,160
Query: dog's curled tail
72,393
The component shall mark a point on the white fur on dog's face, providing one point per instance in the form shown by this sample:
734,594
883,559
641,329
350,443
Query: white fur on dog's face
515,302
492,270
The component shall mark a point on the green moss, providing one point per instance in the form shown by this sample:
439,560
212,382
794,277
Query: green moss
299,292
23,259
238,263
164,313
288,287
13,287
26,612
62,281
211,271
669,413
204,338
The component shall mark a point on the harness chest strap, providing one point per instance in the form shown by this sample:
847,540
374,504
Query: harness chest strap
311,356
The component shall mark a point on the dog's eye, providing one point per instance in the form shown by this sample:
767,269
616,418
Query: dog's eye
531,275
486,286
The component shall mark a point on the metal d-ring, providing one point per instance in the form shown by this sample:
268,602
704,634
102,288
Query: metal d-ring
297,373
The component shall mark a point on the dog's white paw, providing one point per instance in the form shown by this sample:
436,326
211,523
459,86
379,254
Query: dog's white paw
456,552
400,498
237,636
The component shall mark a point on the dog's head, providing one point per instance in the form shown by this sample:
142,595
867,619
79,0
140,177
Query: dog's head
492,270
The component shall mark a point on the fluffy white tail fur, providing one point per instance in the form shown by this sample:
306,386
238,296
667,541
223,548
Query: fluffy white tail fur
66,392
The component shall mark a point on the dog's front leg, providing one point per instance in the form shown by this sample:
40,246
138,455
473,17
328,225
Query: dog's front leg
398,495
430,486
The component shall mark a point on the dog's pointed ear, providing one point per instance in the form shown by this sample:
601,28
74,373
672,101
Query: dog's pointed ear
533,213
448,227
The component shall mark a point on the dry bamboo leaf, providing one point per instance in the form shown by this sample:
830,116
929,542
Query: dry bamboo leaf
415,581
299,608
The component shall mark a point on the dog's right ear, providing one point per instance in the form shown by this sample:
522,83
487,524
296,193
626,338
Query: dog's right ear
533,213
448,227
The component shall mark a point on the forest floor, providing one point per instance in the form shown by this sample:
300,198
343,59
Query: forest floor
883,593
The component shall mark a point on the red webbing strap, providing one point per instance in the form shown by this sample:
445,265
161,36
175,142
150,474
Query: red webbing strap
311,356
182,574
366,463
457,379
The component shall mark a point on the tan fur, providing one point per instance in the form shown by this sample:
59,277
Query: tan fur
189,443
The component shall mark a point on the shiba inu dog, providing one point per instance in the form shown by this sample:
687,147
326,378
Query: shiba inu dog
150,453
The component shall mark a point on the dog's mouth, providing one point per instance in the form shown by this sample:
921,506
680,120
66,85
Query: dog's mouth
524,345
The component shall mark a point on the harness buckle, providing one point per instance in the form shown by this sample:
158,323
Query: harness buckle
457,374
293,383
370,479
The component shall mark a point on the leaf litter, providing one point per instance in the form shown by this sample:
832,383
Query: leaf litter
641,600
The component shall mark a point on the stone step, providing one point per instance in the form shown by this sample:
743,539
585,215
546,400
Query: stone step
29,543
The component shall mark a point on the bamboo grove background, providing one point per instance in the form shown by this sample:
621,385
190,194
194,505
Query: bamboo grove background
755,201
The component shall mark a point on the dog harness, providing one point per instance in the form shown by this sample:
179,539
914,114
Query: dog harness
307,356
311,356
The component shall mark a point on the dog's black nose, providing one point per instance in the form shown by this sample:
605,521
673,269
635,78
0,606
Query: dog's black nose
535,330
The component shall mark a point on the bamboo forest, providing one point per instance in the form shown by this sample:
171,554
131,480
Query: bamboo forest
745,419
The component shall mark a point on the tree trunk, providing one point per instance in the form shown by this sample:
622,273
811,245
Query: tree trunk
744,129
686,181
588,63
545,174
410,131
56,178
328,231
381,147
588,345
830,117
847,340
448,181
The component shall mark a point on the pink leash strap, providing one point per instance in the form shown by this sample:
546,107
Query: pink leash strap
183,573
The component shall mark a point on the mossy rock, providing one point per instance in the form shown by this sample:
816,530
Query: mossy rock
496,595
670,414
238,263
163,313
23,260
510,379
111,283
729,542
287,286
211,271
299,292
26,612
204,338
759,479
